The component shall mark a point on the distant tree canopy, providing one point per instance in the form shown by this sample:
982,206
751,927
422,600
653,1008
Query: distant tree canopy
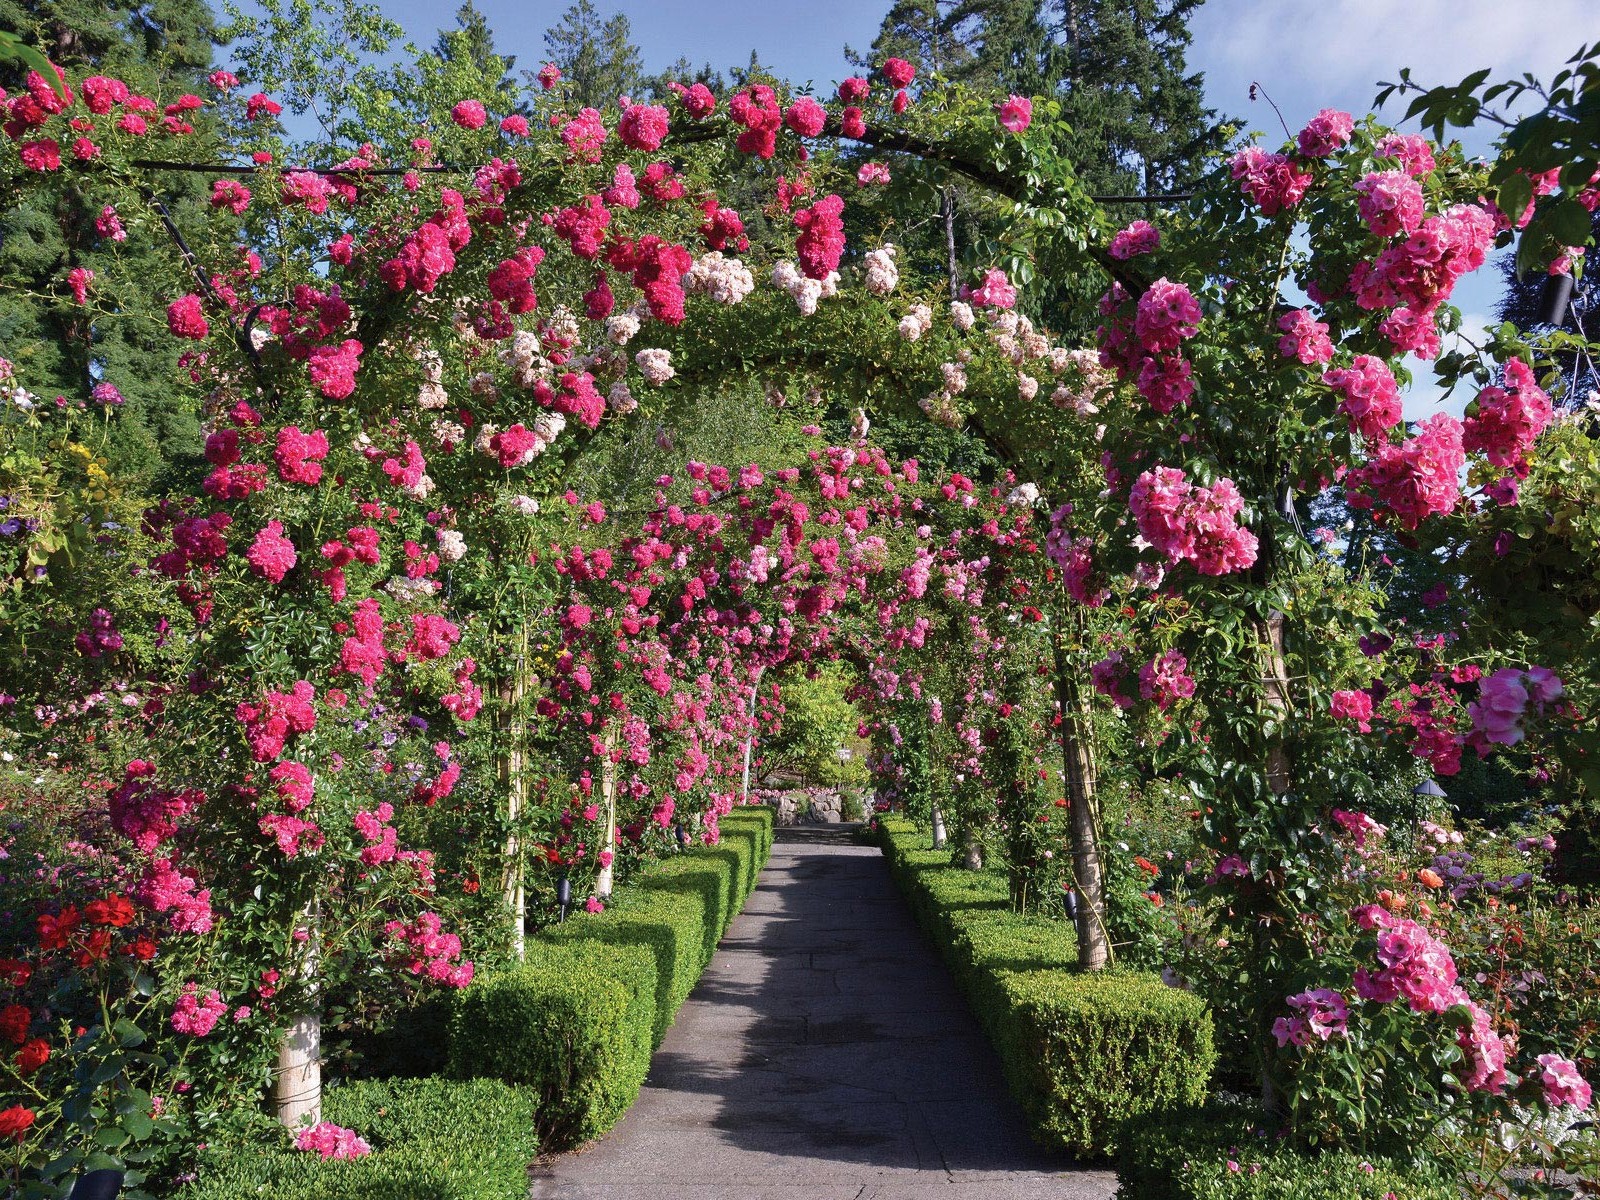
161,48
1137,115
597,58
1523,304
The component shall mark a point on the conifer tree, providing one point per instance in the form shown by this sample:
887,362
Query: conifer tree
598,59
161,48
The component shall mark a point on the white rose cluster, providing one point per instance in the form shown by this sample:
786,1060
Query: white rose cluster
805,291
725,280
452,546
916,322
882,274
655,365
621,327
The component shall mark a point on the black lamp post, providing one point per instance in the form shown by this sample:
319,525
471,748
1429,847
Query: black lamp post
682,834
104,1184
1554,299
1429,790
563,896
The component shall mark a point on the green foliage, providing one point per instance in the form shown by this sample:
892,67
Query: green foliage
817,721
1081,1052
578,1020
431,1139
1216,1153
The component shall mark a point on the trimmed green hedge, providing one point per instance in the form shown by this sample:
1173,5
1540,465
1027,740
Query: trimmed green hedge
1081,1052
432,1139
578,1020
1186,1156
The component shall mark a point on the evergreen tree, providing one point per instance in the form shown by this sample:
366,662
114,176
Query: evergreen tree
1523,304
472,42
162,47
922,33
597,59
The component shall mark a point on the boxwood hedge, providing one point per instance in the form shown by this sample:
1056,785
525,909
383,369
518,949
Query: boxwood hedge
578,1020
1082,1052
432,1139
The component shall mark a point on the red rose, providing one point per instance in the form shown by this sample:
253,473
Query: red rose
115,911
56,931
95,947
14,1121
14,1022
32,1056
143,947
15,972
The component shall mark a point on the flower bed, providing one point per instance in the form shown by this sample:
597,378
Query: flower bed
1081,1052
577,1021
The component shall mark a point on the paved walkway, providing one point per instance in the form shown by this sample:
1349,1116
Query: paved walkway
825,1055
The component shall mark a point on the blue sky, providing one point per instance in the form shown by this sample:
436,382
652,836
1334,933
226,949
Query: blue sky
1306,54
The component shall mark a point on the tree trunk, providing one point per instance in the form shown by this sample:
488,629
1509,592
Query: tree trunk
972,852
950,240
941,836
1078,771
513,776
606,880
1279,766
750,736
297,1077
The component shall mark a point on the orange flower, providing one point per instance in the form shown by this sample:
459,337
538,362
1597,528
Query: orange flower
1428,877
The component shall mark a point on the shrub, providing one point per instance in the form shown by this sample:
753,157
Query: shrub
1081,1052
577,1021
432,1139
1215,1153
573,1023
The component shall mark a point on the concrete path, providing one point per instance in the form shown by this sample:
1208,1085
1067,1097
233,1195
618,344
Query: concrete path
825,1055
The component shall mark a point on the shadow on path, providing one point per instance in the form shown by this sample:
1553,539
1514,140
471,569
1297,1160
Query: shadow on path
825,1053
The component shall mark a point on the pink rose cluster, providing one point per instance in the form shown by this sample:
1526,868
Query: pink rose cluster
1141,237
1167,314
195,1016
821,242
1508,419
1166,680
279,716
756,108
1416,966
996,291
1354,706
1417,477
1305,339
1369,395
1360,826
1416,275
644,127
145,813
1391,203
1193,524
1274,181
332,1141
1320,1013
1507,700
1073,556
423,948
1326,132
1106,676
1563,1084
